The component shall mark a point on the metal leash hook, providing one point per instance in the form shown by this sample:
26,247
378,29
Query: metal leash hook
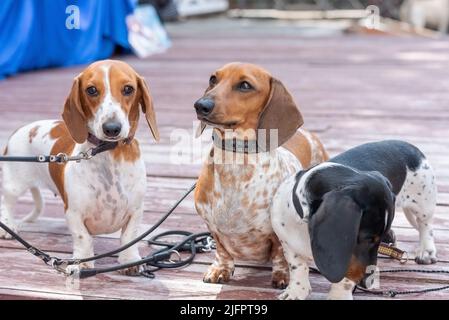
60,267
210,245
84,155
178,255
61,158
71,267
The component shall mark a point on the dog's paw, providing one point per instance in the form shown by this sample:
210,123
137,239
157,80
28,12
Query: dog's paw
218,274
75,268
340,295
342,290
295,292
5,235
426,255
127,257
279,280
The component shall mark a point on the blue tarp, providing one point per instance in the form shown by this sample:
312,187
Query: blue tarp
33,33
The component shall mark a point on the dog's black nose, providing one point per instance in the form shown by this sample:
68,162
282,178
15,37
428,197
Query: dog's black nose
204,106
112,129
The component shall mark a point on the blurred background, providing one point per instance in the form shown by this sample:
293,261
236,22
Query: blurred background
46,33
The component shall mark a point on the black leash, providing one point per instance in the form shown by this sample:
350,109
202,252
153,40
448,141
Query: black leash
162,258
393,293
154,259
62,158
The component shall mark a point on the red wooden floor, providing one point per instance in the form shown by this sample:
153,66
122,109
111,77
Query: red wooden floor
351,89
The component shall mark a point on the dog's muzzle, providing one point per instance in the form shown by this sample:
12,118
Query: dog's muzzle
204,106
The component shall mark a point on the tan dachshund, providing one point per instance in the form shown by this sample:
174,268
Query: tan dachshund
244,104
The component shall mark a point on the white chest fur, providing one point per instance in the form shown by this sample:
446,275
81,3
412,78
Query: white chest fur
104,191
238,211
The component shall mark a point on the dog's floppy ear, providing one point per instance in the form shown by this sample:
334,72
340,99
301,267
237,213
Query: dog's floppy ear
73,114
389,198
279,113
333,233
147,107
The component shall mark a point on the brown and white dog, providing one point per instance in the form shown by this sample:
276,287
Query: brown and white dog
104,194
234,197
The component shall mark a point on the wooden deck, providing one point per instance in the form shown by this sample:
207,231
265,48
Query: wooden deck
351,89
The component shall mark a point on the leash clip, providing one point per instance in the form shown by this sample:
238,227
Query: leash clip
389,294
61,158
62,266
210,245
178,256
87,155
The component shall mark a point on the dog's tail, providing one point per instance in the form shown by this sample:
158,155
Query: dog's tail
38,206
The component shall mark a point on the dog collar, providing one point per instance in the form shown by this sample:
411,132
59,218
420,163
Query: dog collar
235,145
107,145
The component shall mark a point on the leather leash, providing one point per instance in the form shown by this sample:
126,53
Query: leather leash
61,158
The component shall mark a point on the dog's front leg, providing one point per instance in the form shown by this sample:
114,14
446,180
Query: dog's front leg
341,290
299,286
222,268
279,276
82,240
130,232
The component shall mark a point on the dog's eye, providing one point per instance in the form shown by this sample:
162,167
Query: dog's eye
244,86
92,91
212,80
128,90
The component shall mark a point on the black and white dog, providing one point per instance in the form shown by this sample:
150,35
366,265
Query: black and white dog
337,213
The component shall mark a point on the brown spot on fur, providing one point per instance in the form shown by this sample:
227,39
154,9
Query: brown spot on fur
127,152
245,201
356,270
299,145
226,180
64,143
33,133
322,153
247,175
